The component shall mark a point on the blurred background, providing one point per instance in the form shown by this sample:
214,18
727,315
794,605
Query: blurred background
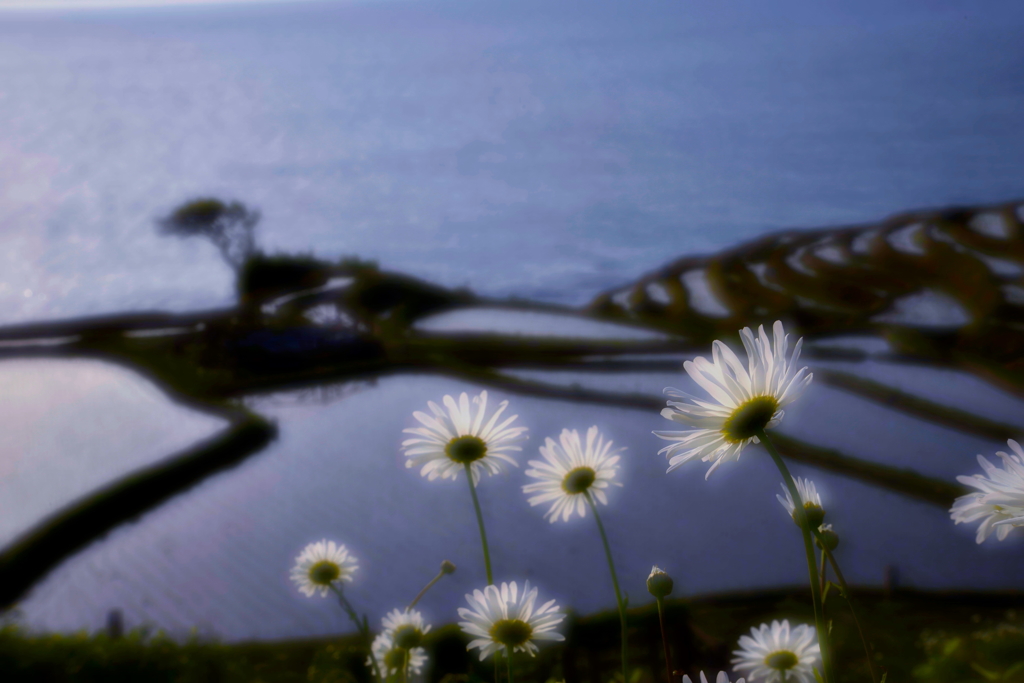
549,151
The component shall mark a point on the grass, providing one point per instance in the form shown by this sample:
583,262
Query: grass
918,636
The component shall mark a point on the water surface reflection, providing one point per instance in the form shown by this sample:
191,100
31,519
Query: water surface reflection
218,556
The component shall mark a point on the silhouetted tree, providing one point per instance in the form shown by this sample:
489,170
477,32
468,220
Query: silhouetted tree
230,227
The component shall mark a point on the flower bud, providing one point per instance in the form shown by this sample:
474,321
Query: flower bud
447,567
659,584
827,537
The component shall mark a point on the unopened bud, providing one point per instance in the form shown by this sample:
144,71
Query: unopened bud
659,584
447,567
827,538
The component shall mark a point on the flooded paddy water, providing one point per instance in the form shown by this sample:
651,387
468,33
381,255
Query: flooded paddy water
217,556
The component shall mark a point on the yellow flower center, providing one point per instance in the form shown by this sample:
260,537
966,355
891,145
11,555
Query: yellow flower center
408,636
579,480
511,632
466,449
749,418
783,660
324,573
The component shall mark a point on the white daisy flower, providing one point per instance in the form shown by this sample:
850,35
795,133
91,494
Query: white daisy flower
999,498
391,658
504,617
448,441
811,501
570,470
775,654
722,678
746,399
407,627
321,565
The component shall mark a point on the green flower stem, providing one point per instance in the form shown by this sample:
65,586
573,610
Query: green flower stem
405,668
362,625
664,640
615,583
432,582
508,658
824,574
849,601
812,564
480,523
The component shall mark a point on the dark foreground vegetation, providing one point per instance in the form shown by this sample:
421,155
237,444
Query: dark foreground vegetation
923,637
